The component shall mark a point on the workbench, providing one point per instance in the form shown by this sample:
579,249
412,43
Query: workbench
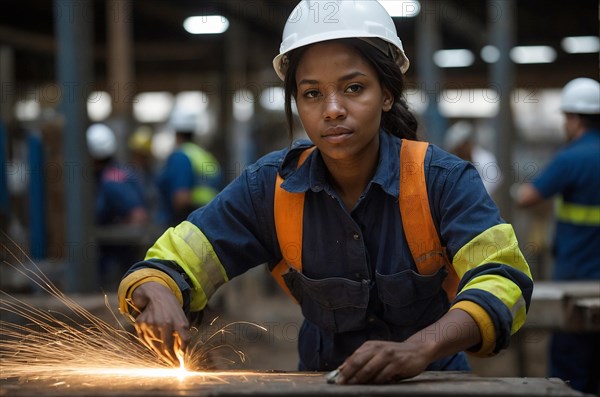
428,384
572,306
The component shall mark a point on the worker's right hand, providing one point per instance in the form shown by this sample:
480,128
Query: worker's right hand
161,324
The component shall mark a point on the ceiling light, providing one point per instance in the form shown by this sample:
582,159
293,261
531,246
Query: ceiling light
152,107
206,24
243,105
469,102
27,109
453,58
581,44
403,9
272,98
99,105
533,54
490,54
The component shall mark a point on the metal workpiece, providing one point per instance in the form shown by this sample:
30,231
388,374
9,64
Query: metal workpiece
332,376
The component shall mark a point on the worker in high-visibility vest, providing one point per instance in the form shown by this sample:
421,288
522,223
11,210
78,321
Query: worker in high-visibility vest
380,301
190,179
573,177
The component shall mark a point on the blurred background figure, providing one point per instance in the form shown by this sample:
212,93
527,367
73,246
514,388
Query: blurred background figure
143,162
461,140
119,202
573,177
190,179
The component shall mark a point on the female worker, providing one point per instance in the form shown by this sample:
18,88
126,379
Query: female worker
370,308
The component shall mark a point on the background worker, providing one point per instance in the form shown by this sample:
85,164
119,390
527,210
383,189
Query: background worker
144,164
119,201
190,179
461,140
325,215
573,177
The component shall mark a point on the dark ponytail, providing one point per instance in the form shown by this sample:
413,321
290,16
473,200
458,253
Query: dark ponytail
398,121
291,89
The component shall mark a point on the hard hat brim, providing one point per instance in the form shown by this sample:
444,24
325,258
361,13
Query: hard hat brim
280,64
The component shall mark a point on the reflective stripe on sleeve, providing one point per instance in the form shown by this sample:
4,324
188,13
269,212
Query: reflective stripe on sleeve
189,248
139,277
577,214
498,244
485,325
505,290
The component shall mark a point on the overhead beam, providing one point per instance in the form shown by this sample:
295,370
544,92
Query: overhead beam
463,23
21,39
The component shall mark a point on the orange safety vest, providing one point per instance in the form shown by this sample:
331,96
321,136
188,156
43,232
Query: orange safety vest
422,236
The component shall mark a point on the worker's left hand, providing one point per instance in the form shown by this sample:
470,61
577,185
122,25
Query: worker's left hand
383,362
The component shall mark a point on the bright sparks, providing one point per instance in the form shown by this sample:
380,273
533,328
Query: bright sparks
75,348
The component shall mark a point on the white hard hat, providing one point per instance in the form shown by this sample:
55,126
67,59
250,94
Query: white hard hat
315,21
101,141
459,133
581,96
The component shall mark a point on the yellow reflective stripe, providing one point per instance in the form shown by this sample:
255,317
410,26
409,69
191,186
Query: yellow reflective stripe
202,195
497,244
205,165
505,290
485,325
577,214
203,162
139,277
189,247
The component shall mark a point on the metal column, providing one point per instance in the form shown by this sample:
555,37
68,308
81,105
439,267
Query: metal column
428,41
73,29
121,84
7,99
37,196
4,196
233,77
501,18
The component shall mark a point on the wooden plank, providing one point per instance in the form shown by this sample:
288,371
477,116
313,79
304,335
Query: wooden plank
568,306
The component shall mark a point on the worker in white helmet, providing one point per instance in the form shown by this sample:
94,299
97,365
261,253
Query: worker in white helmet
352,223
461,140
119,200
573,178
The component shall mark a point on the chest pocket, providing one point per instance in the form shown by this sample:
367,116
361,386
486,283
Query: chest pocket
334,304
410,299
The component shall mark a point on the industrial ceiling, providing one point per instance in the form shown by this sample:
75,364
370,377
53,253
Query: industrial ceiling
164,53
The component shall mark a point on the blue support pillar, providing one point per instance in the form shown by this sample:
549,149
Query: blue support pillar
4,197
37,195
431,80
